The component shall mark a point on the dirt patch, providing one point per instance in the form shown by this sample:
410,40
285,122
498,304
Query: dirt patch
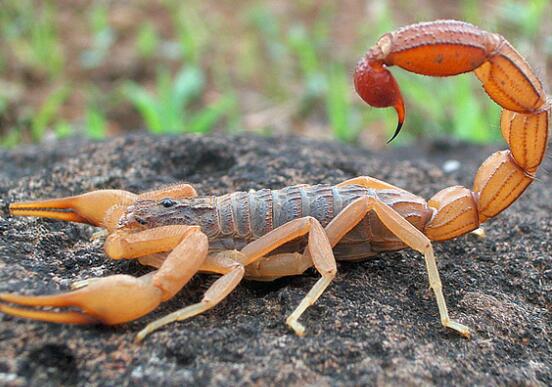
376,324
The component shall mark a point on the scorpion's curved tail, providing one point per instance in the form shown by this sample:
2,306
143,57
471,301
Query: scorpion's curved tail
449,47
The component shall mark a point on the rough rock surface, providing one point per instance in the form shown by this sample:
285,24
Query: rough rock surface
376,324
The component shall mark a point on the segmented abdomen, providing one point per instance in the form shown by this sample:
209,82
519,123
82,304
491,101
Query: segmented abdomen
246,216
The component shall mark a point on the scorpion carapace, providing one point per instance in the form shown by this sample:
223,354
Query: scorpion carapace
268,234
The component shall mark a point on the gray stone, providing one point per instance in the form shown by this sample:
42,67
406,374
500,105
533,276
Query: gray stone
377,324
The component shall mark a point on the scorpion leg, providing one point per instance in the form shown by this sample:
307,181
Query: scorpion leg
224,263
319,248
278,265
120,298
122,244
265,269
150,247
153,260
406,232
368,182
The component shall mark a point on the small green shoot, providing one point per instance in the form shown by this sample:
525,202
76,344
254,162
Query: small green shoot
170,110
96,125
103,37
63,130
48,112
33,37
338,107
11,139
147,40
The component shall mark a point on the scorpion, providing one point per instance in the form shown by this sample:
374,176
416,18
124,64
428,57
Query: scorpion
267,234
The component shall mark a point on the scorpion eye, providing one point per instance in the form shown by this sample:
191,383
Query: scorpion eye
140,220
167,203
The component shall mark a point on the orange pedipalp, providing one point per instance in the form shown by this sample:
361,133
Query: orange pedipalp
53,209
110,300
49,316
91,208
52,300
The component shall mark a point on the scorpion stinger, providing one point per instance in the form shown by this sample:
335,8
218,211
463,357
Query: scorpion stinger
376,85
397,131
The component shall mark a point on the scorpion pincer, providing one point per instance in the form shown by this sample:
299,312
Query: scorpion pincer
273,233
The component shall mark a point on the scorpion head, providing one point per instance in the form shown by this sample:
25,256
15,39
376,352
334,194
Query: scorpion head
147,213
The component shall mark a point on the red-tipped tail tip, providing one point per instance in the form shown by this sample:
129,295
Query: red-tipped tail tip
401,113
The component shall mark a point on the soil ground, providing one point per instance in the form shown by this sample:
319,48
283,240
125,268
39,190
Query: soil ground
377,324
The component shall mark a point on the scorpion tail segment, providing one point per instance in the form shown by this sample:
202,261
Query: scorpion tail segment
445,48
92,208
378,88
111,300
527,136
510,81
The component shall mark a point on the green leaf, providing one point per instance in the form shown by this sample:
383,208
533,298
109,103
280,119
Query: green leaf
304,48
188,84
48,111
205,120
146,106
11,139
62,129
147,40
96,127
337,104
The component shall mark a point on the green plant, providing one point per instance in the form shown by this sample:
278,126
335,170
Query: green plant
96,125
304,48
170,109
103,37
147,40
343,120
11,139
329,84
63,129
455,106
47,113
527,16
31,33
190,28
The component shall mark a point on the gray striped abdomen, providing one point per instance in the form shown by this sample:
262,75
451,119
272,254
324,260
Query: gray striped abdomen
246,216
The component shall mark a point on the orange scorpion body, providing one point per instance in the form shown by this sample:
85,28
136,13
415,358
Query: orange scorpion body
273,233
234,220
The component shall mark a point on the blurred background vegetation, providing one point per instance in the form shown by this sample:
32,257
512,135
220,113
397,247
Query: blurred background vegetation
100,68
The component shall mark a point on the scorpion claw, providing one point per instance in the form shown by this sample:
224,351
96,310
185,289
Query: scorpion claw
111,300
57,317
93,208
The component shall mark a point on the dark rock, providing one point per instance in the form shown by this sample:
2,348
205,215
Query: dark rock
376,324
